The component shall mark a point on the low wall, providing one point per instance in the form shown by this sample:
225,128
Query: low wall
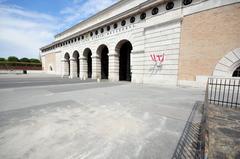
11,71
20,72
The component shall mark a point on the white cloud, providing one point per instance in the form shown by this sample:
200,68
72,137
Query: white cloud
20,12
81,10
24,32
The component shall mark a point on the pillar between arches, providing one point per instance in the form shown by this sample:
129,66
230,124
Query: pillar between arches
65,68
83,68
73,70
114,66
96,67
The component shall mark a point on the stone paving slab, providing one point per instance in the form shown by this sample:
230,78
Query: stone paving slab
224,132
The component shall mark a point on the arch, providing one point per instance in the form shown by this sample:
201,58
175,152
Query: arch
76,59
66,56
102,52
236,72
228,64
50,68
124,48
67,64
87,54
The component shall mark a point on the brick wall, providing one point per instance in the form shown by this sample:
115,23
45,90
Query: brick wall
205,38
50,59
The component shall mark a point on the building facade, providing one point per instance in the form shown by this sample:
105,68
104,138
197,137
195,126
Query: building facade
176,42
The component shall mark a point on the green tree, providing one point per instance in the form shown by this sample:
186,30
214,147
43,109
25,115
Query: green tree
24,59
2,59
34,60
13,59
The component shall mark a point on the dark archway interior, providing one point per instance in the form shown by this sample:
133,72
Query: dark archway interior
89,64
76,56
125,62
88,55
78,67
104,62
67,58
236,73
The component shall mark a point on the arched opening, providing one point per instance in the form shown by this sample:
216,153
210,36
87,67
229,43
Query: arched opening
67,64
228,66
50,68
87,53
236,73
103,54
124,49
76,59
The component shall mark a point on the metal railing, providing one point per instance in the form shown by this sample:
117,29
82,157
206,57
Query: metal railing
223,91
194,141
191,142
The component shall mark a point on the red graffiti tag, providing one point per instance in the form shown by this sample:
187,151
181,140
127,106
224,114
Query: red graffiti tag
158,57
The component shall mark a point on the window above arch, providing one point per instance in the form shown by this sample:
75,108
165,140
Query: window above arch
155,11
115,25
169,5
143,16
108,28
132,19
187,2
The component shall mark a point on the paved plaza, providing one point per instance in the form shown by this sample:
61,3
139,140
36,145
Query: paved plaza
90,120
14,81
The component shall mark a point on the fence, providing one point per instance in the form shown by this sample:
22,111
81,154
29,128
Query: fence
191,143
223,91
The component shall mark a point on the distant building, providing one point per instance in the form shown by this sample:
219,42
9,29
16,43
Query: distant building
179,42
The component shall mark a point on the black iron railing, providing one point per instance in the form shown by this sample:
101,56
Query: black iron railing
223,91
191,143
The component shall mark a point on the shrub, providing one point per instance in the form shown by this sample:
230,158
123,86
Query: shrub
2,59
13,59
35,61
24,59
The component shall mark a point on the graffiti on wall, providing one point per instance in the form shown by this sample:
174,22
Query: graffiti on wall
157,60
157,57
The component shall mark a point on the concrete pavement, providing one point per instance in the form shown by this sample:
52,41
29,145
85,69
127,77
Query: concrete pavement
21,80
93,120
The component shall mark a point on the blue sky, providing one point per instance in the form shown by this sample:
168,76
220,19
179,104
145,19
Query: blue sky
27,25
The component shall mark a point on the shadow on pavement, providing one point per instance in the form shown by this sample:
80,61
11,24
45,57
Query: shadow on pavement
190,144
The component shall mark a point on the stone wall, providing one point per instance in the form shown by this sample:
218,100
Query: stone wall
49,61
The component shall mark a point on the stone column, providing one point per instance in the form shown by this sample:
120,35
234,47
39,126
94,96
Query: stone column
73,68
137,66
114,66
83,68
96,67
65,68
